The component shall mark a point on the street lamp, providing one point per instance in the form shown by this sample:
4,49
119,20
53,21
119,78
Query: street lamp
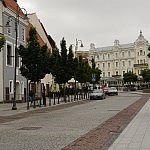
16,49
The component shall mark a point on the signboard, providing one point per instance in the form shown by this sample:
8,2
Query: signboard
93,77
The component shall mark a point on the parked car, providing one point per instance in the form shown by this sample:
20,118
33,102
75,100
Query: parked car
112,91
97,94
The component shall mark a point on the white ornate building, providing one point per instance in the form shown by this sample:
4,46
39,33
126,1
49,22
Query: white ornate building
116,60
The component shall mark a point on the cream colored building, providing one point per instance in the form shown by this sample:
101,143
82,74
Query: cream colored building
118,59
33,19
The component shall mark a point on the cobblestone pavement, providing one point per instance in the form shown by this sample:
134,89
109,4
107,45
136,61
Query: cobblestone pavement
53,130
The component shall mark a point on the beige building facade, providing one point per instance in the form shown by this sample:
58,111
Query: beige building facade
118,59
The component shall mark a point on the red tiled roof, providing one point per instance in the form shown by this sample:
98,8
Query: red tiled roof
12,4
41,42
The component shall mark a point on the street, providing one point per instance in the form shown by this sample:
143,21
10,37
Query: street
55,130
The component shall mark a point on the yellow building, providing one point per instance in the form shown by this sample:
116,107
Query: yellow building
117,59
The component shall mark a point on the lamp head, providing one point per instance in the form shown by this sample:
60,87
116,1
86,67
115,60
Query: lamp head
81,45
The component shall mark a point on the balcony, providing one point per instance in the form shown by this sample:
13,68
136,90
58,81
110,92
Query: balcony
141,65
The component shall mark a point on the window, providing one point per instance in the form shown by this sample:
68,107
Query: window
129,63
141,61
140,52
116,72
98,57
123,63
123,72
9,32
138,61
122,54
108,56
108,74
23,34
129,53
9,55
103,56
18,60
108,65
103,65
116,55
11,87
103,74
116,64
98,66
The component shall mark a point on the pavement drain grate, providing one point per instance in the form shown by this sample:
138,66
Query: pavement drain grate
29,128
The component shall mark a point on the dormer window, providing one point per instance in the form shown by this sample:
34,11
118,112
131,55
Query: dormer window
116,55
122,54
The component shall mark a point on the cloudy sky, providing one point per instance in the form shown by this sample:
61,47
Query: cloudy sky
92,21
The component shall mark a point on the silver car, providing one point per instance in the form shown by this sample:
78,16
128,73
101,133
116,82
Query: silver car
97,94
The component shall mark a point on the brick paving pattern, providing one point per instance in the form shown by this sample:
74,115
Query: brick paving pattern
104,135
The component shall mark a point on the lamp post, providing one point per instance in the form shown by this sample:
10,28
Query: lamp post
77,45
16,49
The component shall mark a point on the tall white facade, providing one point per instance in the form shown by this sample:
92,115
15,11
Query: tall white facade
119,58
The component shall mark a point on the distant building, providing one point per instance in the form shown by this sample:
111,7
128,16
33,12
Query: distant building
118,59
84,54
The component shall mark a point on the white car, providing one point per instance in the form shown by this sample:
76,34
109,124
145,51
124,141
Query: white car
97,94
112,91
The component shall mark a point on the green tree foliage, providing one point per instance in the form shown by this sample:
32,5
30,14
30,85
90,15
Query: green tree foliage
96,72
80,72
146,74
130,77
34,58
70,63
62,63
2,41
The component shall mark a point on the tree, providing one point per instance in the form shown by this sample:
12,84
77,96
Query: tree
70,63
2,41
146,74
130,77
62,62
33,58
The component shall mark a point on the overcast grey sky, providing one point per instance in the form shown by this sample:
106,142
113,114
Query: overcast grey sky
92,21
